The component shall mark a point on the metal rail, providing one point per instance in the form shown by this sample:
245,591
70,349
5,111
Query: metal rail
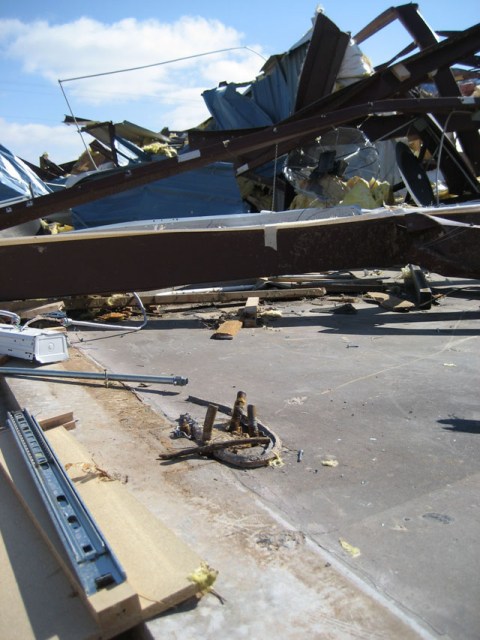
93,562
90,375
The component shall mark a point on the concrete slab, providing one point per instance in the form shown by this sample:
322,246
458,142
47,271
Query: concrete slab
392,397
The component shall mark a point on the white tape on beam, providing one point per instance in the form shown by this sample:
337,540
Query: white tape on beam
271,236
183,157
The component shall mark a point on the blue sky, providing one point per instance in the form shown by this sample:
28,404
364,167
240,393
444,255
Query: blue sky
44,42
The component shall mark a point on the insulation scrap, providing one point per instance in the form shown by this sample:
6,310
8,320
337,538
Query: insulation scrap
271,313
330,463
276,461
346,546
355,65
91,469
160,149
204,577
368,195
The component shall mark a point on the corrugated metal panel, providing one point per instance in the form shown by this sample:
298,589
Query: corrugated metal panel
269,99
272,94
233,110
210,190
17,179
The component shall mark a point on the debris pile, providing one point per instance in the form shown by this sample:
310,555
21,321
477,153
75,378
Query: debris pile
242,441
306,184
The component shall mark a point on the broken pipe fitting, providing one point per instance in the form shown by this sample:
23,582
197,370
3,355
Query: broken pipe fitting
252,421
208,424
238,413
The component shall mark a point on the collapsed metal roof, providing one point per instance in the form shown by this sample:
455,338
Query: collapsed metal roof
386,103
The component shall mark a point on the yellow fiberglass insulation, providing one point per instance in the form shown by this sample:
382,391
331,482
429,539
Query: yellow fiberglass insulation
356,191
366,195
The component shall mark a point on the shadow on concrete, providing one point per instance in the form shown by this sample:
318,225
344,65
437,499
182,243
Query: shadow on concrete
377,323
460,425
140,632
183,607
364,321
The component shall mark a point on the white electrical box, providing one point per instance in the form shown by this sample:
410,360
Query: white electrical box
41,345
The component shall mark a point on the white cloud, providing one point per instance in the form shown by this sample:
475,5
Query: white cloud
87,47
30,141
11,30
163,95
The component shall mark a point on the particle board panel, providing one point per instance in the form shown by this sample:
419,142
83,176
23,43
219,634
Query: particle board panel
114,609
37,600
157,563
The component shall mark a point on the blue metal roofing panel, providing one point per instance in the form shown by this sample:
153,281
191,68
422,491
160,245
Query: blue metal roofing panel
269,99
271,93
233,110
210,190
17,179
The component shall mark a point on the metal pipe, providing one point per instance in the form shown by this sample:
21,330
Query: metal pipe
88,375
12,316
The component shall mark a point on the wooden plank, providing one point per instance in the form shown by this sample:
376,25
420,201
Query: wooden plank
227,330
64,420
34,311
191,296
156,562
179,296
36,596
249,312
28,309
110,608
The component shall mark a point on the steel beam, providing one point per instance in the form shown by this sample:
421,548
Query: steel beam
317,78
85,263
444,80
396,80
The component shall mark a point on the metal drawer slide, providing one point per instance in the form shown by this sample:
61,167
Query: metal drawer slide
93,562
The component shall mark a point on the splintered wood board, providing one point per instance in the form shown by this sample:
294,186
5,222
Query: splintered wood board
390,302
227,330
156,562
